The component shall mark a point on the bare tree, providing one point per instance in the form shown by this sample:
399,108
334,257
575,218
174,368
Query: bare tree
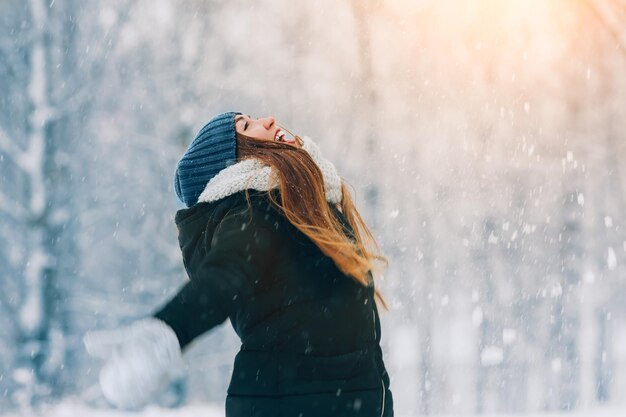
366,100
44,63
611,14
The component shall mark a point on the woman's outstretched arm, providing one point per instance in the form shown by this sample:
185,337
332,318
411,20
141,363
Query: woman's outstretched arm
242,249
143,357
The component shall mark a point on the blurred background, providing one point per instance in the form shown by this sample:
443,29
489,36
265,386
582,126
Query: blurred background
484,141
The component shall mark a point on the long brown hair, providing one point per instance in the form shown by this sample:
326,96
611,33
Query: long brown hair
301,185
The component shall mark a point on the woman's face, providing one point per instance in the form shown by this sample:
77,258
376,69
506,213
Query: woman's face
263,128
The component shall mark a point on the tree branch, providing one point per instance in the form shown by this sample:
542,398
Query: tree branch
10,149
11,312
611,24
5,302
83,92
13,210
14,63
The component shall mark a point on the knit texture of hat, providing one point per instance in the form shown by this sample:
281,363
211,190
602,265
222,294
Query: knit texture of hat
213,149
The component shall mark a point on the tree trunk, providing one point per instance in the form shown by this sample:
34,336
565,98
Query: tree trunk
367,101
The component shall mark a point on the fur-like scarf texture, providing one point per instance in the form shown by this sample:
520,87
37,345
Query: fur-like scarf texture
252,173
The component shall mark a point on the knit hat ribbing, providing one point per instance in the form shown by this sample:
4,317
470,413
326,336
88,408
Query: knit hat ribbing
213,149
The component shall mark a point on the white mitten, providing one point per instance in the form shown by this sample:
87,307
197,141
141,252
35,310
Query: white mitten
142,359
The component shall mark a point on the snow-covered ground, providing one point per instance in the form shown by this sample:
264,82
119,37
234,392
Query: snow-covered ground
69,408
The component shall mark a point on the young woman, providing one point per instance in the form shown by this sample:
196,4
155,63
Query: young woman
272,241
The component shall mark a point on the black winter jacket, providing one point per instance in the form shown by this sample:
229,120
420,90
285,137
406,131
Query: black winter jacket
310,335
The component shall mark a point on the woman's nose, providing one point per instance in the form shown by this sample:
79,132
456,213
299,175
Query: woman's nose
268,122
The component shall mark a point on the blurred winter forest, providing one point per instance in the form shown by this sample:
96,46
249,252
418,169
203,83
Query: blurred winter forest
484,140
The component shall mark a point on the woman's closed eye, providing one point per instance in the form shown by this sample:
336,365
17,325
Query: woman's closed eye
240,119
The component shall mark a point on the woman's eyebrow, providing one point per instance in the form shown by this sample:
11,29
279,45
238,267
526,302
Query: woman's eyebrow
239,117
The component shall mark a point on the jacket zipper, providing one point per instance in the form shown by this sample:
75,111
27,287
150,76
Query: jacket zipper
382,411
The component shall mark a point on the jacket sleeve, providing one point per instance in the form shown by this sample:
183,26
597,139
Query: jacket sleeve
242,249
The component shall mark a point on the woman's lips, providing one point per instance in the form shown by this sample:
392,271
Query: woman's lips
281,137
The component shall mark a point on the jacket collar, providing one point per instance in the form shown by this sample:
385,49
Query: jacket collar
252,173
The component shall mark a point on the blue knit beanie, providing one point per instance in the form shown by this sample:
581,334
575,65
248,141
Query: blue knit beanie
213,149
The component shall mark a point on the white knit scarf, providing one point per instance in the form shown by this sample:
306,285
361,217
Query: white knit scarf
252,173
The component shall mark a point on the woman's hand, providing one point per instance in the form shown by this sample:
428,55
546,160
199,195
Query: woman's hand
141,359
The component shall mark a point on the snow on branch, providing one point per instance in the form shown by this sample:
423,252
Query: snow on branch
10,149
